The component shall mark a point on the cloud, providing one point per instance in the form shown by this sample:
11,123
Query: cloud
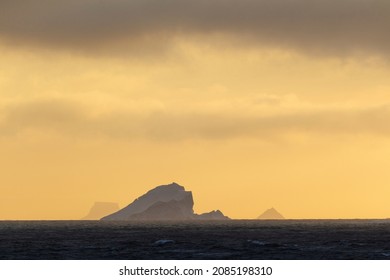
72,120
314,26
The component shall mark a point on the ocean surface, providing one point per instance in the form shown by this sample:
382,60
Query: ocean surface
236,239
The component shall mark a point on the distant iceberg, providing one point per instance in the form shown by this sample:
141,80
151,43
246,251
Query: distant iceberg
271,214
101,209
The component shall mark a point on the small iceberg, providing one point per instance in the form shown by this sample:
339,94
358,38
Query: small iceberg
256,242
164,242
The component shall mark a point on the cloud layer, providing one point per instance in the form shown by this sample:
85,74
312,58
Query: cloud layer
71,120
315,26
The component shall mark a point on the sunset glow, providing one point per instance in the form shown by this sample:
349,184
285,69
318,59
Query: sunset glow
249,104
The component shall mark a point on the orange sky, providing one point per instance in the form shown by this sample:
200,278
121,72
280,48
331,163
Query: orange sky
245,119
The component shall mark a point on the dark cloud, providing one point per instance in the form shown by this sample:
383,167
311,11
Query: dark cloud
72,120
317,26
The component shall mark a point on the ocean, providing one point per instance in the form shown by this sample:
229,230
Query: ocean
234,239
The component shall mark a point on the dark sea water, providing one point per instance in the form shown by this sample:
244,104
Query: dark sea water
238,239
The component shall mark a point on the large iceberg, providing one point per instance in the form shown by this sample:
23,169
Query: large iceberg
166,202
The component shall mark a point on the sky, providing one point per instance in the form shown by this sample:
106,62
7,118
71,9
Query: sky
249,104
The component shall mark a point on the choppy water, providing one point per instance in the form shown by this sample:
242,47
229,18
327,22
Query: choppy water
240,239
